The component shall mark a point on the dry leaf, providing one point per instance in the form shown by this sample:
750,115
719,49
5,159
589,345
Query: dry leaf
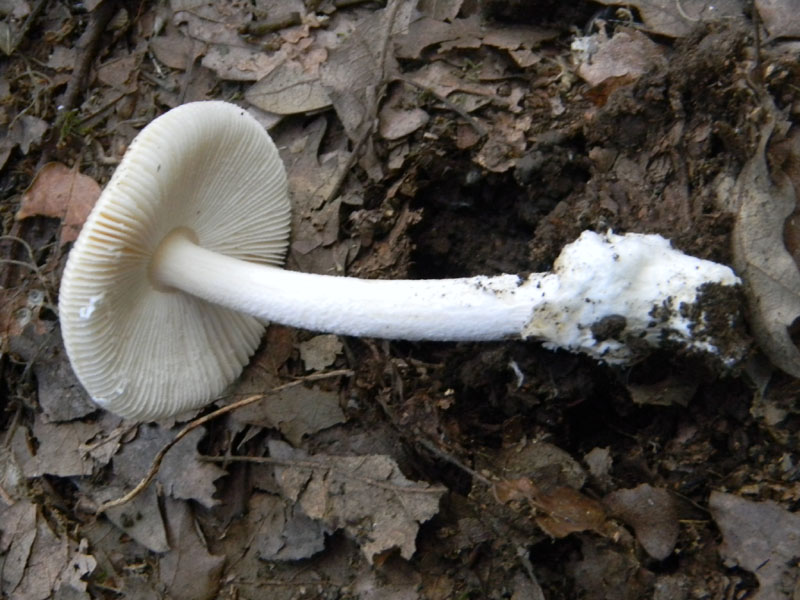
780,17
354,70
561,511
297,411
629,54
367,496
283,531
771,277
58,449
23,132
59,393
189,571
288,89
760,537
184,476
440,9
652,514
320,351
677,18
36,549
63,193
17,533
237,63
426,31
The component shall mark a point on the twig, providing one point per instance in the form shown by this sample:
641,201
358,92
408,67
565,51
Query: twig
30,265
313,466
454,461
88,46
156,465
451,105
683,13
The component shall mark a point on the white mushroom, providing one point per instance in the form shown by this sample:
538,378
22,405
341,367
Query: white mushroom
165,290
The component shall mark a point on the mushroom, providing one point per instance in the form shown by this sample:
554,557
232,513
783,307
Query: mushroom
168,287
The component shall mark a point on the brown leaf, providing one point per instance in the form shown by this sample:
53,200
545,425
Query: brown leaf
678,19
59,449
297,412
367,496
780,17
18,527
289,89
354,70
628,54
320,351
44,559
760,537
189,571
63,193
567,511
23,132
283,531
562,510
652,514
771,277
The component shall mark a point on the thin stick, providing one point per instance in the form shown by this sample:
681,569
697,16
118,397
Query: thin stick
472,121
156,465
313,466
88,46
454,461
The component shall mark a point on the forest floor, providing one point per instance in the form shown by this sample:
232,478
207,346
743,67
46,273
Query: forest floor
437,139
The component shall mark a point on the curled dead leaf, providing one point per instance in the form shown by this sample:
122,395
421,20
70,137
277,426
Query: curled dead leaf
771,277
63,193
561,511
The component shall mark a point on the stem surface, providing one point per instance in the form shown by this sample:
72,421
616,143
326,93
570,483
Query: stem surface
474,308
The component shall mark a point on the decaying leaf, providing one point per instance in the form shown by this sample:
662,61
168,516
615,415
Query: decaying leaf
184,476
780,17
355,70
23,132
36,555
189,571
677,18
58,449
652,514
320,351
297,412
367,496
282,531
629,53
602,571
17,533
560,511
288,89
63,193
771,277
59,393
760,537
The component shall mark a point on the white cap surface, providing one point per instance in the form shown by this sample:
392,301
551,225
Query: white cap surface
142,352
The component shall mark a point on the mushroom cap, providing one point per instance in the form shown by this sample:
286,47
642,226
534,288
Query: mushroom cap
146,353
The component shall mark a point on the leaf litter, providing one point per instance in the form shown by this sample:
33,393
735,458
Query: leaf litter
421,139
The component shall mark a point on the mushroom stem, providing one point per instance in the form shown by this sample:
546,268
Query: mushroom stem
474,308
610,296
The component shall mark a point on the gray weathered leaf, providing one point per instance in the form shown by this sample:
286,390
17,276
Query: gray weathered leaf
760,537
367,496
770,275
677,18
288,90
